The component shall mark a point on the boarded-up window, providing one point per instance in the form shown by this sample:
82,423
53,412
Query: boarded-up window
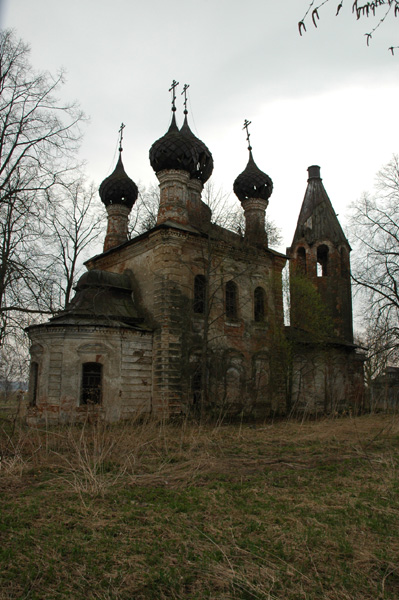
91,383
199,294
259,304
231,300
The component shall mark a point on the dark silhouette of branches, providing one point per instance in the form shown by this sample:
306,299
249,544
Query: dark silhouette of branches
73,222
381,9
375,228
39,137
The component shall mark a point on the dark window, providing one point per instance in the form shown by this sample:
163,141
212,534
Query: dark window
91,383
259,304
196,386
199,294
231,300
34,372
322,261
301,259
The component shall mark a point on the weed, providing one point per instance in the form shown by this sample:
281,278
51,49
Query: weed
148,510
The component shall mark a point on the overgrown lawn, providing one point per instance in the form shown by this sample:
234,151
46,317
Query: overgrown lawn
285,510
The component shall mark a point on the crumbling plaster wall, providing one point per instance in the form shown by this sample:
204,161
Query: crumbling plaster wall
126,356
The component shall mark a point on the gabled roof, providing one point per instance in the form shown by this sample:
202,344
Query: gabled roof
317,220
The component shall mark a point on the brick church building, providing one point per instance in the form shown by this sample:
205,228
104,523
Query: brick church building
188,316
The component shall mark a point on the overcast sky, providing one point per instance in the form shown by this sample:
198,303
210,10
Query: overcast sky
323,98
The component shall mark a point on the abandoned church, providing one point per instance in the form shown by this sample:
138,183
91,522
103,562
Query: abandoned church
189,316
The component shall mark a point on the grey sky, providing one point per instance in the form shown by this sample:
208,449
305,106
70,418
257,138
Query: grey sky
323,98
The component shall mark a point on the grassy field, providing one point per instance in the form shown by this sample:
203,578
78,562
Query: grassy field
285,510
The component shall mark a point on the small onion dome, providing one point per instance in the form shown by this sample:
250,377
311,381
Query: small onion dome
203,166
118,188
253,183
182,151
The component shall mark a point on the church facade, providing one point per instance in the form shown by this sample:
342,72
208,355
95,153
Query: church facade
188,317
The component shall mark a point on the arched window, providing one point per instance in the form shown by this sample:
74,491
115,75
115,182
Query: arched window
199,294
91,383
322,261
231,300
34,372
259,304
301,259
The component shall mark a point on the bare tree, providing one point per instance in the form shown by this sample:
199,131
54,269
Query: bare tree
378,10
380,353
375,228
144,213
23,278
73,223
39,136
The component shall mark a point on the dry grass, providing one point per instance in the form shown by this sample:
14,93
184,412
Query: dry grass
152,510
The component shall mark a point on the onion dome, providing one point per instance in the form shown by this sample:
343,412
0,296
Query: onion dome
203,166
252,182
172,151
118,188
182,151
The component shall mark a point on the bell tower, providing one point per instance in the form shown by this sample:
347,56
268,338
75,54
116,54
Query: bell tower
320,253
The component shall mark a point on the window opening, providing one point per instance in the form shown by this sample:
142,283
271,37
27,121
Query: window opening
91,383
301,259
259,304
196,386
199,294
231,300
34,372
322,261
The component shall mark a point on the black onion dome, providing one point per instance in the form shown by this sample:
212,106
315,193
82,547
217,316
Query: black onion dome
203,166
182,151
118,188
253,183
172,151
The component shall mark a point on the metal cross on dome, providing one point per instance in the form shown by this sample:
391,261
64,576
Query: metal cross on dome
246,125
121,128
172,89
185,88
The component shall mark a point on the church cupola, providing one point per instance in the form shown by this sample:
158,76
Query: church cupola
119,193
182,164
172,151
202,167
253,188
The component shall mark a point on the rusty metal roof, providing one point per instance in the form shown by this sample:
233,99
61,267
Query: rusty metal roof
101,296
